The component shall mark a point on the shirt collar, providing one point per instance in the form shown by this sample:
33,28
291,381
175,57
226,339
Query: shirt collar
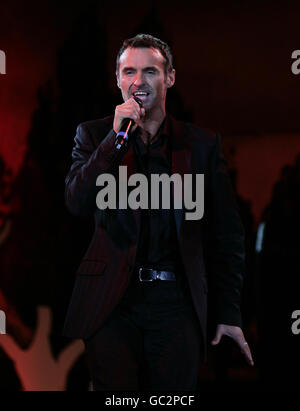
163,130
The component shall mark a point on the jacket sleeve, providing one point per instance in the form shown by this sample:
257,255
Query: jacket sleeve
227,251
87,164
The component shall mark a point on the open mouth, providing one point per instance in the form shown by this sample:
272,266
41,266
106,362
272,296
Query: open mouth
141,94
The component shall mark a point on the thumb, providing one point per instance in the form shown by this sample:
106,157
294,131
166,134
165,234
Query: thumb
217,338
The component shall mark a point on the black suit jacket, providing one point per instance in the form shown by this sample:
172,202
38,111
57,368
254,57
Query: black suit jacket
212,248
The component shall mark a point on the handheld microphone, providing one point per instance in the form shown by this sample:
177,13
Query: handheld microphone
126,129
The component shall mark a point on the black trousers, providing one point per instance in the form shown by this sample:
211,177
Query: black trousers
152,341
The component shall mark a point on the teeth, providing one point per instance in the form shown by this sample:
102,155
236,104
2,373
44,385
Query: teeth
140,93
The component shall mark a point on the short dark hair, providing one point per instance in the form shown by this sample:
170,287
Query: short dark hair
147,41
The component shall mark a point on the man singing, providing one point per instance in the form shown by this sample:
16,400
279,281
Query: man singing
140,295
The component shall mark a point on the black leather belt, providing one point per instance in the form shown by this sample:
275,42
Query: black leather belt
147,274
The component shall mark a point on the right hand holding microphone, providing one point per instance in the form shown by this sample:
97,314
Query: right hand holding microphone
130,110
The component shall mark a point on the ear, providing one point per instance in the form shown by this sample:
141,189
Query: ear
118,79
171,78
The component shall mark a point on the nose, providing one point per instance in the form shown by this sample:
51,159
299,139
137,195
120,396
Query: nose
138,79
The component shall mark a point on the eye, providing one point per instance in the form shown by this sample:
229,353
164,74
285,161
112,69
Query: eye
128,72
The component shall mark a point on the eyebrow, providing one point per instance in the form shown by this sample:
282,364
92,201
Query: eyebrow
144,69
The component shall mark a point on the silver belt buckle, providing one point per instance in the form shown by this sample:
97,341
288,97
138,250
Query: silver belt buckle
140,271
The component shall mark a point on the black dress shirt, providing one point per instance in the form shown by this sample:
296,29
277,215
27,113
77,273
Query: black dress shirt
157,246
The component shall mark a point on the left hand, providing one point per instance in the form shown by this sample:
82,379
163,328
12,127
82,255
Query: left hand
237,335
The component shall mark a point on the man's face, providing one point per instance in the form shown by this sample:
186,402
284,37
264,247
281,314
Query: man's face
142,73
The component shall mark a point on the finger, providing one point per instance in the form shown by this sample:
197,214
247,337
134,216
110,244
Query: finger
128,115
10,347
127,110
238,336
132,112
43,326
69,355
133,99
139,109
247,353
245,350
133,104
217,338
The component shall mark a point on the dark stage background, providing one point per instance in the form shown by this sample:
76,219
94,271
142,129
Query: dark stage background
233,75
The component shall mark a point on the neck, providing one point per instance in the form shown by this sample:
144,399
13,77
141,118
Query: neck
151,123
